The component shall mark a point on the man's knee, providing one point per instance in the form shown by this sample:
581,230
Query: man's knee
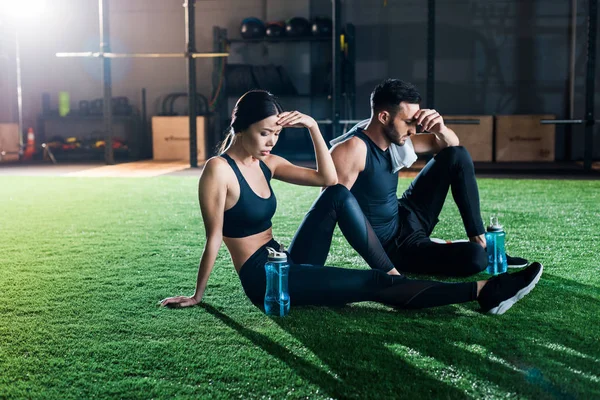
455,155
476,259
470,260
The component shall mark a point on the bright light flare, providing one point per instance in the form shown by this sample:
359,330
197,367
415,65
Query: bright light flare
22,9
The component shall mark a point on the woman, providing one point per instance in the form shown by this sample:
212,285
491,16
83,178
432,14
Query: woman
237,204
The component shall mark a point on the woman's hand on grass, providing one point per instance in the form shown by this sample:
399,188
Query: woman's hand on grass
179,302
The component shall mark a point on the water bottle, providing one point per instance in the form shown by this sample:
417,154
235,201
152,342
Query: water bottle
277,298
494,239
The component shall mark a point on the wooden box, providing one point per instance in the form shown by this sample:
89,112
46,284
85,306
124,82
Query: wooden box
524,138
9,142
477,139
171,138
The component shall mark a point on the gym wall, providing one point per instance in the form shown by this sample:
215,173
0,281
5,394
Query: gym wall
135,26
492,56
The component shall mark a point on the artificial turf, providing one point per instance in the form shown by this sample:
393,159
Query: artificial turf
84,261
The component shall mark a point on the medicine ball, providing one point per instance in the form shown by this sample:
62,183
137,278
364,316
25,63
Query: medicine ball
322,26
275,29
297,27
252,28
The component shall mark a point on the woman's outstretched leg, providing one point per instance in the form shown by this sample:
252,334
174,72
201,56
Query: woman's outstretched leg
336,205
314,285
330,286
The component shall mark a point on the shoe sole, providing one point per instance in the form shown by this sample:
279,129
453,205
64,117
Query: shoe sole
508,303
517,265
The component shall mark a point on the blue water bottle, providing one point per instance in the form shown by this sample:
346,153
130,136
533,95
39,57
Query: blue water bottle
494,239
277,298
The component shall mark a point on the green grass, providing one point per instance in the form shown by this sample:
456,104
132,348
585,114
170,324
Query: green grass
83,262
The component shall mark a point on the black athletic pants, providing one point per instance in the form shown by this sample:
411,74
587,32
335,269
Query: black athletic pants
419,209
311,283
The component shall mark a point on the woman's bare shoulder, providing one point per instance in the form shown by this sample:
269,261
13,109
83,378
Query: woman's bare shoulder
216,171
215,165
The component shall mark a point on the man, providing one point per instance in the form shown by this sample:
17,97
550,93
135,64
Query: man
367,160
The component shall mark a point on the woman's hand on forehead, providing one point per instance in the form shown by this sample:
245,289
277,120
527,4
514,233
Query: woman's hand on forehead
295,119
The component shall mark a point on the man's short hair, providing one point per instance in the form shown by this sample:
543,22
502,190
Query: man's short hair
388,95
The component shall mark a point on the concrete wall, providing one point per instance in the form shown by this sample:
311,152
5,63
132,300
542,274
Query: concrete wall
135,26
493,57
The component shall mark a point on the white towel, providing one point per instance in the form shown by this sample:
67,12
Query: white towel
402,156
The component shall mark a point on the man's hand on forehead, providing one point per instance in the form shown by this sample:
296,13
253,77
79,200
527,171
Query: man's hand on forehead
428,119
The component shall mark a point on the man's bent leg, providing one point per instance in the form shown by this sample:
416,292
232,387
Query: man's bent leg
426,257
450,168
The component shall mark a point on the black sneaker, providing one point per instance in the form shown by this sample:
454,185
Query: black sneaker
515,262
502,291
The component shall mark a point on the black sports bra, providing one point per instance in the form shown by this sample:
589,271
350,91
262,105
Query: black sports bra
251,214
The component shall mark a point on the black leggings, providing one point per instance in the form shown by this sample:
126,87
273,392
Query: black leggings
418,212
311,283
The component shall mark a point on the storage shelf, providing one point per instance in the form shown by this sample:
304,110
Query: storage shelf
85,117
287,96
282,39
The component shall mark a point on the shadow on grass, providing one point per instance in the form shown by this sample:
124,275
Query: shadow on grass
542,348
545,347
334,386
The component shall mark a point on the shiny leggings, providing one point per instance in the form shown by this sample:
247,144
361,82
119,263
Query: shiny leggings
312,283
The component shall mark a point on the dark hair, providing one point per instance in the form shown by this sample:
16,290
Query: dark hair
388,95
252,107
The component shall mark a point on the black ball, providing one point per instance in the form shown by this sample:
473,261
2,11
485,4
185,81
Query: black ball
275,29
297,27
322,26
252,28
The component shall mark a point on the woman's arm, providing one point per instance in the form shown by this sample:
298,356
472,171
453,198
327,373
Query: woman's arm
212,192
324,175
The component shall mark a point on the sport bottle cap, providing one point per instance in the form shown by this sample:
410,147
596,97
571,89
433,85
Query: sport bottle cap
494,225
276,255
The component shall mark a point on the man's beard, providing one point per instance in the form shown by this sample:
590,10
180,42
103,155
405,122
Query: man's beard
392,135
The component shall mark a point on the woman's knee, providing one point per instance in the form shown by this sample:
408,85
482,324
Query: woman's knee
338,191
336,194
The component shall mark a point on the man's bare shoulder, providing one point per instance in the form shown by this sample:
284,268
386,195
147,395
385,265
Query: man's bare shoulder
353,146
349,158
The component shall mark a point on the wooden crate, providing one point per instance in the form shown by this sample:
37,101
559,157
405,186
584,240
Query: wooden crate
523,138
477,139
171,138
9,142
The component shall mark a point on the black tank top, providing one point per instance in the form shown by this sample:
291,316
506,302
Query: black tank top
251,214
375,190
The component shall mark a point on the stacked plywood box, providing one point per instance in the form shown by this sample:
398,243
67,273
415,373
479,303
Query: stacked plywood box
524,138
517,137
171,138
476,138
9,142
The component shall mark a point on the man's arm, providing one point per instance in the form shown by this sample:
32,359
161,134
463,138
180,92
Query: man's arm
439,136
349,158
